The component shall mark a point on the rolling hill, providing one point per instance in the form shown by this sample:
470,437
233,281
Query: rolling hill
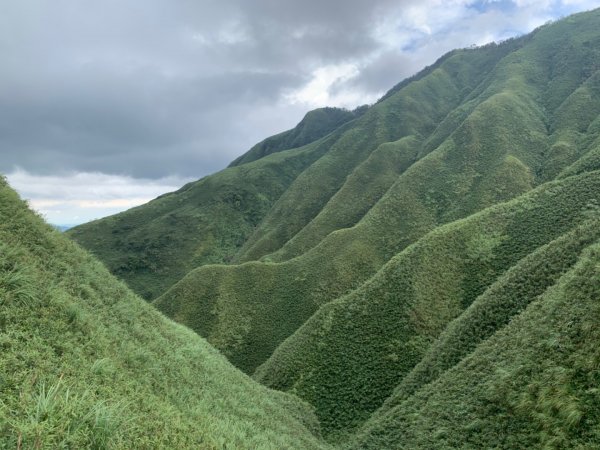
510,135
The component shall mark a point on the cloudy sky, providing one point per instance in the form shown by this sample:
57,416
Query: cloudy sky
107,104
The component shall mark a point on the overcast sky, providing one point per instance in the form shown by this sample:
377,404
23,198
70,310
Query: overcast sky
107,104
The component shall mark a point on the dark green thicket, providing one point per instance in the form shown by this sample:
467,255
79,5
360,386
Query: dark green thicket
316,124
503,300
85,363
206,222
532,384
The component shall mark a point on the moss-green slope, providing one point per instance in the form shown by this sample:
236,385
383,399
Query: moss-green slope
492,148
563,97
531,384
350,356
85,363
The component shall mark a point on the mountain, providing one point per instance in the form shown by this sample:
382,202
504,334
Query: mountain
513,128
315,124
88,364
206,222
424,273
349,358
531,384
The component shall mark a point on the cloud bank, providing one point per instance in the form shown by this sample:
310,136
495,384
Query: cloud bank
151,89
83,196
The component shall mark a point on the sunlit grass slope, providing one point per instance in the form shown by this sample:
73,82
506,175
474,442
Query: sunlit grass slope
532,116
85,363
529,383
350,356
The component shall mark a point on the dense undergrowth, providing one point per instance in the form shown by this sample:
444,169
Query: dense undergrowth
348,358
531,384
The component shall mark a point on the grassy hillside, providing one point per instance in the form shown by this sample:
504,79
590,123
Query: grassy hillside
533,383
233,215
87,364
323,198
517,127
424,273
350,356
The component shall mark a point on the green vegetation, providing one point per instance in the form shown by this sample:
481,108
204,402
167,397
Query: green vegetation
424,273
88,364
531,384
496,145
153,246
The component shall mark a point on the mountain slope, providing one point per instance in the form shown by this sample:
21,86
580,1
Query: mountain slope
350,356
532,384
413,112
154,245
526,120
426,275
87,364
221,218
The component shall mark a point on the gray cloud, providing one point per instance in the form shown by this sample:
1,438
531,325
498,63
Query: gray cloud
155,88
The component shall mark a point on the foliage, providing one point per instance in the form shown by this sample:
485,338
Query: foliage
153,246
476,130
354,352
531,384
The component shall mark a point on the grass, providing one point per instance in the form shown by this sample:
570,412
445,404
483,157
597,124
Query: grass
532,383
315,125
153,246
88,364
355,352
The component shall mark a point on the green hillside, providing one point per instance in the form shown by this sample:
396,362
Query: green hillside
85,363
350,356
153,246
532,384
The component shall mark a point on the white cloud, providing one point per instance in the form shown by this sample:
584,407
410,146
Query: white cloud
318,92
80,197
